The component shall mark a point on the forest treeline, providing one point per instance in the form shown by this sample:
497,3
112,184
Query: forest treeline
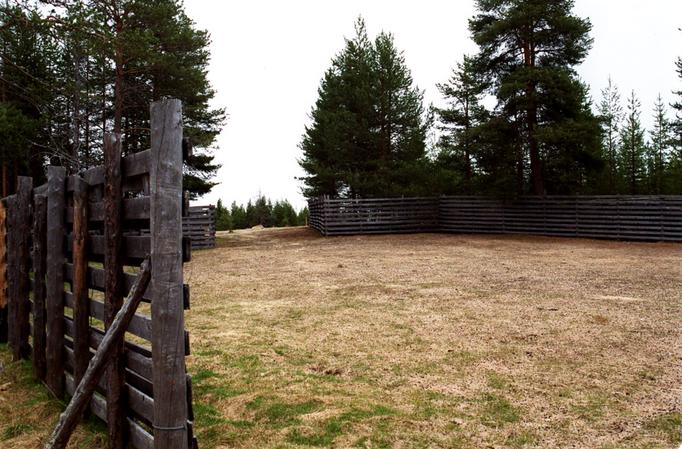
262,212
516,118
72,70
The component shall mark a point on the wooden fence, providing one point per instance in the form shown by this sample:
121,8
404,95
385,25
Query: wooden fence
73,246
198,225
645,218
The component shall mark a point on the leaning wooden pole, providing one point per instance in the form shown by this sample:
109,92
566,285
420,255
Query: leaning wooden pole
112,338
168,334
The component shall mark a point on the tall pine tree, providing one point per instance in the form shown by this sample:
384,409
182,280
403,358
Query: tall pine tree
528,51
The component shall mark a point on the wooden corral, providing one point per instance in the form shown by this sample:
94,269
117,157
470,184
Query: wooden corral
645,218
198,225
88,235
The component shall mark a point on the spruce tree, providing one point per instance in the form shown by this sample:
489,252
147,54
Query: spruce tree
658,149
459,123
611,114
528,51
368,125
632,154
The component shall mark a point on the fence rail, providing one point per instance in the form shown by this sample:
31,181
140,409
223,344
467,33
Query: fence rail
71,248
645,218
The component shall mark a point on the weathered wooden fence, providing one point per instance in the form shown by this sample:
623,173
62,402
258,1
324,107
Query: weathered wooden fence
646,218
198,225
73,246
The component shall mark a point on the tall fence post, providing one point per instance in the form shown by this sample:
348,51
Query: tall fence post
56,232
168,342
39,268
22,238
3,272
113,300
81,301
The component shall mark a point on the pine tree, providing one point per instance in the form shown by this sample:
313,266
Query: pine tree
658,149
460,121
112,59
633,148
368,124
611,114
528,51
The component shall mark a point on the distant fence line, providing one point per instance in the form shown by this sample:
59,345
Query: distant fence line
199,226
645,218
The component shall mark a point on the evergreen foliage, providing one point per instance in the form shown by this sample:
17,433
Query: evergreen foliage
632,154
528,51
369,125
90,67
262,212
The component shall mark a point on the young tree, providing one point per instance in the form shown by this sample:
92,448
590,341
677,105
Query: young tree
658,149
223,218
460,122
528,51
611,114
633,147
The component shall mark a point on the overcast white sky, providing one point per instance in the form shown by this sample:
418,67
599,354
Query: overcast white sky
268,57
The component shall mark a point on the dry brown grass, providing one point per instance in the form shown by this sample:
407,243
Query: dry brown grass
432,341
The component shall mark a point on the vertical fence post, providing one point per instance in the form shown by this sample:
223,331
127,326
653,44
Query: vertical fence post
168,342
81,301
3,272
39,246
113,300
10,202
56,178
22,234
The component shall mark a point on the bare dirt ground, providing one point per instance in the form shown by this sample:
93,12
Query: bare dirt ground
419,341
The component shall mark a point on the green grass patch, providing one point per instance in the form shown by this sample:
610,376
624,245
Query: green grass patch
15,430
521,439
496,411
669,425
327,432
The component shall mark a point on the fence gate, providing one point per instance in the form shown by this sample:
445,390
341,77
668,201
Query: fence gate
73,246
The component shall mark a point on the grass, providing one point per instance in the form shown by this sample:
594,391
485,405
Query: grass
412,342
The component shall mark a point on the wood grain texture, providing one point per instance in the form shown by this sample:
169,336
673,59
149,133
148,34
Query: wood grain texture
23,235
3,272
39,288
168,336
113,298
81,308
55,280
86,387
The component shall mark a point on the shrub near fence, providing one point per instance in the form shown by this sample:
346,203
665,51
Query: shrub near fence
646,218
199,226
82,232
